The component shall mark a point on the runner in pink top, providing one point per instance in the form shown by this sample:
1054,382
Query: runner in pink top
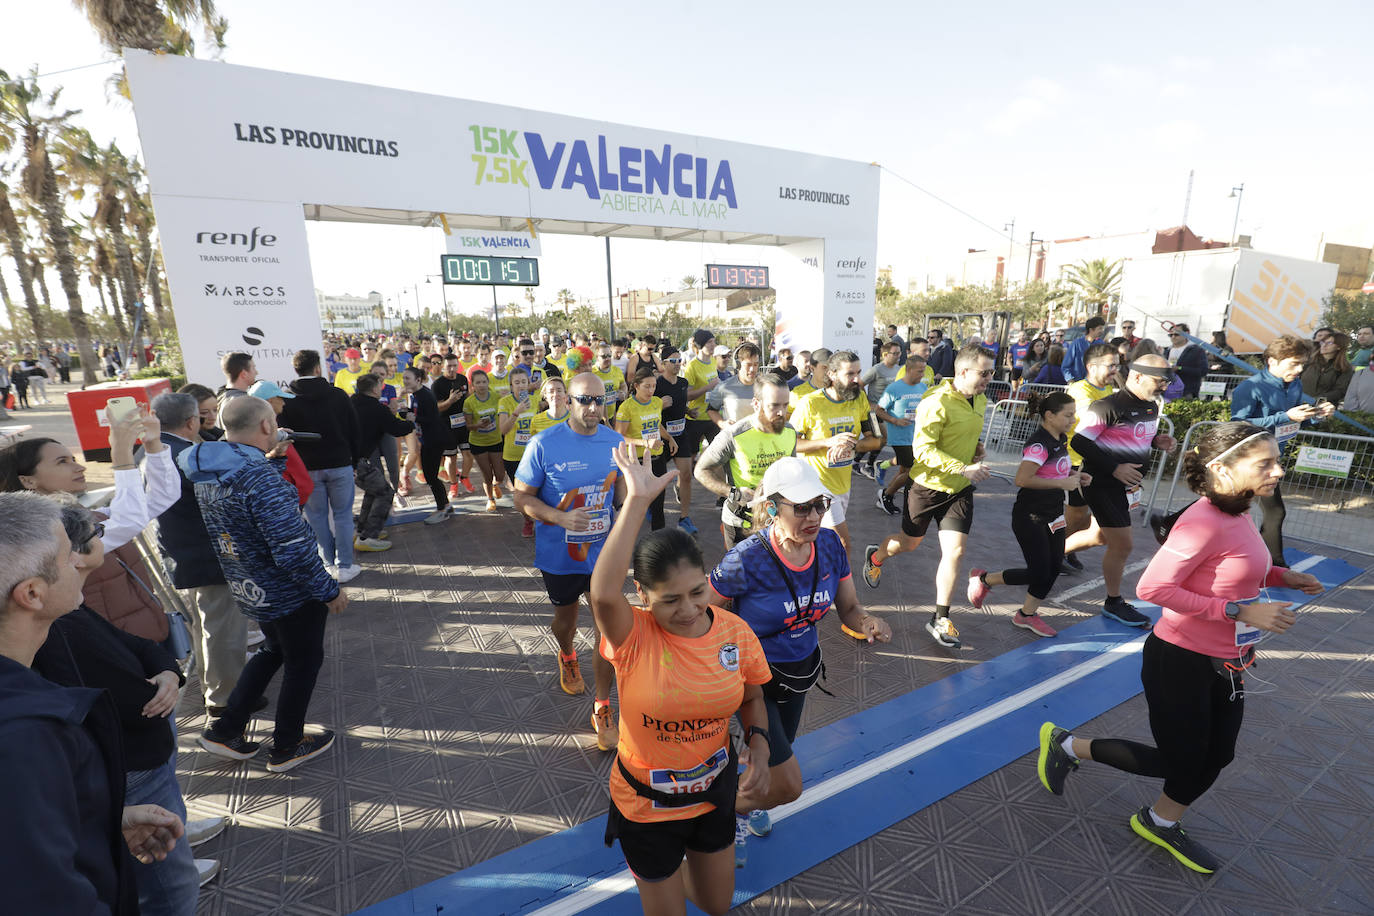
1209,578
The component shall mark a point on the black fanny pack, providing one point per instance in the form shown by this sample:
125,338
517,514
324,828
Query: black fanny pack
793,679
721,791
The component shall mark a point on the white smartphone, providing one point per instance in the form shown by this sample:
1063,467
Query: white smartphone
119,408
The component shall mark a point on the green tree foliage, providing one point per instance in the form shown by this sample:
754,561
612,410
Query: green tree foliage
1348,312
1095,282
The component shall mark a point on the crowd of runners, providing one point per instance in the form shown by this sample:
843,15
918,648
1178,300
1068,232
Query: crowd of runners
579,441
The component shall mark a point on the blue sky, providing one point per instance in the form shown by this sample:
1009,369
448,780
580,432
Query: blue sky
1071,118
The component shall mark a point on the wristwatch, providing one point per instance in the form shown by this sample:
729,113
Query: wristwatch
755,730
1232,610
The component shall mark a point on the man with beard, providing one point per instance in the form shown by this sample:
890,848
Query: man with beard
568,483
833,425
947,457
747,447
731,400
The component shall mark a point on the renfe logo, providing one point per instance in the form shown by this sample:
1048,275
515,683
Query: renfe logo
251,240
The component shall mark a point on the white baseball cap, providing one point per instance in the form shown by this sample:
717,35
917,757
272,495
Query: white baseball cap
794,479
721,351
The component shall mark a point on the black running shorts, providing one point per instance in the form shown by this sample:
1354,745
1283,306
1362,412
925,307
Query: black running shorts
565,588
903,456
654,851
1107,499
951,511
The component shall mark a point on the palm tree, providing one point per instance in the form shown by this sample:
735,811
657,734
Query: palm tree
564,298
140,206
690,281
331,318
379,312
14,238
1095,282
529,297
152,25
35,116
103,269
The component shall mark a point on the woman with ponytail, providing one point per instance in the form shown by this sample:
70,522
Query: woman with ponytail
1037,518
1208,578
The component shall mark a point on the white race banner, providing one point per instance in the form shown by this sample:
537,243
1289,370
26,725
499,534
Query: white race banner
492,242
242,283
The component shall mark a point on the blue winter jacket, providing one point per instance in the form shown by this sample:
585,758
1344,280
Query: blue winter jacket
267,551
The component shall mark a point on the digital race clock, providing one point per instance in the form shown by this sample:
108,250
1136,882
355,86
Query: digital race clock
481,270
736,276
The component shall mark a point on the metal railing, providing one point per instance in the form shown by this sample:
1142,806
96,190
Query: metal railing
1010,423
1327,489
1209,390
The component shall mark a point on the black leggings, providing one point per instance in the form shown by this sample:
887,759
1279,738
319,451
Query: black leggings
1193,718
660,464
431,456
1042,548
1271,525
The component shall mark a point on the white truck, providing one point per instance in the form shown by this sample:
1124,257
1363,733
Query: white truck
1252,296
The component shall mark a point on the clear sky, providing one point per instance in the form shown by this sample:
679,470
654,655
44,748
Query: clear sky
1071,118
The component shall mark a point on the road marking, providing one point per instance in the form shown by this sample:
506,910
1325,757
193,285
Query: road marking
1097,583
623,881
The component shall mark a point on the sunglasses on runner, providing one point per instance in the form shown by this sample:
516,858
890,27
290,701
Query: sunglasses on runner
673,359
526,352
98,532
820,505
587,400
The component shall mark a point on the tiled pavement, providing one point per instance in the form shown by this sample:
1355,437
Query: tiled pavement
456,745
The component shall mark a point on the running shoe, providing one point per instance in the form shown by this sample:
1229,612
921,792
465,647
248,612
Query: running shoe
204,829
1035,623
881,476
1072,562
760,824
235,748
741,840
887,503
467,484
453,490
527,530
491,505
944,632
371,545
398,501
1054,764
443,475
686,525
977,588
1174,839
1122,611
570,676
864,469
438,516
306,749
206,869
603,723
873,573
349,573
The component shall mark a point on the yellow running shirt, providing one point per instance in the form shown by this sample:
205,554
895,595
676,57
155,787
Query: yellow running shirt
613,379
543,421
482,428
818,417
348,380
800,392
646,422
677,695
1083,395
522,432
698,374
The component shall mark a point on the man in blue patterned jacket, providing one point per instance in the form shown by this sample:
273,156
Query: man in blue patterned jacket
269,557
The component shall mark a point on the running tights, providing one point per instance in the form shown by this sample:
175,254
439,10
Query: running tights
660,464
431,457
1271,524
1193,719
1043,550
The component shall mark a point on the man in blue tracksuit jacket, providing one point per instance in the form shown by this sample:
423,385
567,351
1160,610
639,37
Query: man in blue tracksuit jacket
270,559
1093,330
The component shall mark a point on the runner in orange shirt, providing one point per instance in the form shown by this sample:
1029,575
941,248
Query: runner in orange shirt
683,669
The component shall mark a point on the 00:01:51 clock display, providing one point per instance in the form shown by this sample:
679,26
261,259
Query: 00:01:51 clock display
479,270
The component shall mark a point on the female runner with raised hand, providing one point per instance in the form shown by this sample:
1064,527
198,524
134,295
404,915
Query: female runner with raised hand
1037,517
683,668
1206,577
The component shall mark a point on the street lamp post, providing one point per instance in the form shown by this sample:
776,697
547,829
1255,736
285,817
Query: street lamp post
443,289
1237,192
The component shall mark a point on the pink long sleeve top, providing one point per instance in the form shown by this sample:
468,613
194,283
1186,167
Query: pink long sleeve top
1210,558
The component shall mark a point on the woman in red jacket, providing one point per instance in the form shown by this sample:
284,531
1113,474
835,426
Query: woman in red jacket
1207,578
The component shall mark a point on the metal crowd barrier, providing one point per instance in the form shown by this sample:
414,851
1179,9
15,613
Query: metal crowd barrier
1010,423
997,390
1218,386
1327,488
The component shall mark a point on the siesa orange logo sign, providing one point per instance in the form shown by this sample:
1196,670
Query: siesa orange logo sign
1275,293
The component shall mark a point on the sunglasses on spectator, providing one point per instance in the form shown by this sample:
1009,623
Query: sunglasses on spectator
587,400
526,352
97,532
820,505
